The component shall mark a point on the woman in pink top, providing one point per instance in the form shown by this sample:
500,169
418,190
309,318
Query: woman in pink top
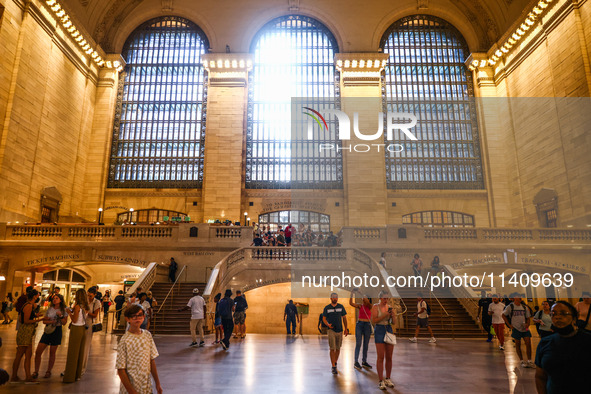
362,329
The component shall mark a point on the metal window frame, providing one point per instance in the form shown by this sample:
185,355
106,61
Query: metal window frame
183,163
330,164
433,166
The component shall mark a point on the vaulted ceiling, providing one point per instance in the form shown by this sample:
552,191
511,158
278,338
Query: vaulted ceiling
358,23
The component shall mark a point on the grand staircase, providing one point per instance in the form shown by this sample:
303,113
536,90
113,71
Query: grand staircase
463,324
169,321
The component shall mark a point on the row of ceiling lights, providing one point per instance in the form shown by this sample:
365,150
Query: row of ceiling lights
67,24
514,38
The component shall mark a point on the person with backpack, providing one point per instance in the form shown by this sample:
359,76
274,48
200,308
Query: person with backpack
226,308
543,320
290,316
517,316
422,314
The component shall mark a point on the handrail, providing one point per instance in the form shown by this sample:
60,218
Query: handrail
146,279
171,288
453,334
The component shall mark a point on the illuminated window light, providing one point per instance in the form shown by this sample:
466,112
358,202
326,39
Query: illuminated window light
68,24
116,64
507,45
512,41
109,64
220,64
354,64
227,64
212,64
516,36
542,4
498,53
537,10
361,63
475,63
339,63
492,62
520,32
60,13
234,64
505,50
50,2
482,63
56,8
347,63
241,64
89,50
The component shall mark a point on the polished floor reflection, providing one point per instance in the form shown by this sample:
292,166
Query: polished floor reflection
284,364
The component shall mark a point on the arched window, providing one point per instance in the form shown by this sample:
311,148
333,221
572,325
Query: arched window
301,220
293,58
439,219
426,76
159,125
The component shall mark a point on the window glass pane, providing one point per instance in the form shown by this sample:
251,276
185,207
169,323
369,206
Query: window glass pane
293,58
63,275
158,133
425,75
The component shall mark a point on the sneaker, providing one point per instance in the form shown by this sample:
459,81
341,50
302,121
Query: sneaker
224,345
193,344
530,364
334,371
357,366
202,343
366,365
388,382
501,347
432,340
382,385
523,364
489,340
413,339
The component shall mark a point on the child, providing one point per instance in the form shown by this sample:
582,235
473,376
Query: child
135,356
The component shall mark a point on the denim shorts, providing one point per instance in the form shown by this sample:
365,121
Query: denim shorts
379,332
516,334
217,322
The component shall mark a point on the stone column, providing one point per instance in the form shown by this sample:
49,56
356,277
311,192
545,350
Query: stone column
364,172
496,137
108,94
223,169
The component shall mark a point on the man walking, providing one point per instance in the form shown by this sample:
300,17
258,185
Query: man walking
517,317
290,316
334,316
225,308
422,315
486,319
198,310
119,301
240,314
495,310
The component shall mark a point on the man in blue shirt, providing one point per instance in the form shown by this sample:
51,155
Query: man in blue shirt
334,317
290,316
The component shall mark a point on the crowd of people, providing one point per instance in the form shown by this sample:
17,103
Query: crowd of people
290,236
561,357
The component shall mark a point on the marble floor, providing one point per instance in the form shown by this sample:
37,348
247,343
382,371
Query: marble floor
285,364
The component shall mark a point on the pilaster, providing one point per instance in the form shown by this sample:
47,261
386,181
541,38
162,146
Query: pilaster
225,134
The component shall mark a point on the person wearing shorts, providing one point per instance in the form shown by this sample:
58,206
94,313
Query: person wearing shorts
517,317
334,316
382,315
240,314
422,319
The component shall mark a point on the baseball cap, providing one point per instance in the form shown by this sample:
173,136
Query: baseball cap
195,291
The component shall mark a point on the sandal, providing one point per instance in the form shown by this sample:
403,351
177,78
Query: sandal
35,375
47,375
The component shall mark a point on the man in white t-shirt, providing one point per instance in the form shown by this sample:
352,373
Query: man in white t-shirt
198,310
422,319
496,311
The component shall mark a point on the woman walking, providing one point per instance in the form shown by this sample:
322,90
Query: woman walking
7,307
382,315
217,320
55,318
24,338
75,358
362,329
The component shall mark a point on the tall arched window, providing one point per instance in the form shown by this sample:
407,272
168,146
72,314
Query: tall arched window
426,76
293,57
159,125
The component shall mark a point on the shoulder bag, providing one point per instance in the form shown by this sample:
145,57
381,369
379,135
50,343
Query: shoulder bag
390,338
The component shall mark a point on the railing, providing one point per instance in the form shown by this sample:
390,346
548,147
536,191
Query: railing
146,279
226,232
432,295
171,294
443,233
465,295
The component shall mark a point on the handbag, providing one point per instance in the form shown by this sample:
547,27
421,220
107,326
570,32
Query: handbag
49,329
390,338
97,327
